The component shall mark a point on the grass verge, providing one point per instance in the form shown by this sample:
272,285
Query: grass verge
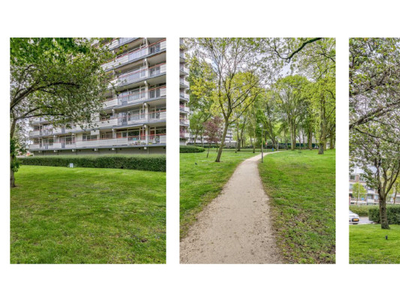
301,185
85,215
368,244
202,179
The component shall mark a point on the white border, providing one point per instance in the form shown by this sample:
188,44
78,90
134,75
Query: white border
174,19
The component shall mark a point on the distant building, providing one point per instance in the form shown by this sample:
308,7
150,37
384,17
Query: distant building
183,96
372,196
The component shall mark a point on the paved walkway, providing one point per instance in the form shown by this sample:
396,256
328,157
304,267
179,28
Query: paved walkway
235,227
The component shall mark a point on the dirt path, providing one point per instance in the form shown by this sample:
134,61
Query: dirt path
235,227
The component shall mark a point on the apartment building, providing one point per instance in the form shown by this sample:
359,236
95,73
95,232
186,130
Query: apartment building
184,96
133,119
372,196
202,140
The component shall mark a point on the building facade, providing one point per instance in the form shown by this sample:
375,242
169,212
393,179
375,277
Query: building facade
183,96
133,119
372,196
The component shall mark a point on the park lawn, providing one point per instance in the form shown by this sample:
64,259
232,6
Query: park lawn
301,185
202,179
368,244
87,215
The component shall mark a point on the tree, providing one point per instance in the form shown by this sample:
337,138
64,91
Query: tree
59,79
212,129
202,85
359,191
375,114
235,65
374,76
292,96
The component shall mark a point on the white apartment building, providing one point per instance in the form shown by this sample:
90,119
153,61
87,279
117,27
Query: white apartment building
134,114
184,96
372,196
202,140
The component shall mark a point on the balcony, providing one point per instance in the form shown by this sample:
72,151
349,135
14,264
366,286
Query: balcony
136,54
138,97
139,75
184,97
184,70
184,135
152,139
184,122
120,42
183,83
184,109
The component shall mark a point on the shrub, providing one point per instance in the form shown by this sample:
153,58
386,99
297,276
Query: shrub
191,149
393,214
362,211
134,162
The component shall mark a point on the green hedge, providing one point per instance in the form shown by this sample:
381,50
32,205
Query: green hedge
362,211
393,214
191,149
135,162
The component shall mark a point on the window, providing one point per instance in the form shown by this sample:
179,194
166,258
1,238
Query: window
352,177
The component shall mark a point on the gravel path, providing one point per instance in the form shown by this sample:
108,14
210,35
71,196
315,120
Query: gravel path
235,227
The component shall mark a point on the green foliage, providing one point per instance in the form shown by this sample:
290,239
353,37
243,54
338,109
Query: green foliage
14,163
359,191
191,149
361,210
393,214
155,163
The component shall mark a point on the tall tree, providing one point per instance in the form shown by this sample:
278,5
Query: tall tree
234,62
59,79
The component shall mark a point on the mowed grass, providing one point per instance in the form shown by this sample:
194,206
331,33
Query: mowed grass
202,179
301,185
368,244
85,215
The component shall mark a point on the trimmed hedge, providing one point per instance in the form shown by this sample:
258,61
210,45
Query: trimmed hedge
191,149
361,210
393,214
155,163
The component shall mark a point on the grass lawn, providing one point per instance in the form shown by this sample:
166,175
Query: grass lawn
301,185
202,179
368,244
85,215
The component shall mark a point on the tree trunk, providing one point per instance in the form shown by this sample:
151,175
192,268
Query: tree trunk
310,140
332,142
208,152
222,142
383,212
12,178
293,141
321,148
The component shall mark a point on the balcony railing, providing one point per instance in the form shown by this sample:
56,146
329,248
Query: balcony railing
136,54
184,82
184,122
113,142
136,97
184,96
119,42
184,69
139,75
184,135
184,108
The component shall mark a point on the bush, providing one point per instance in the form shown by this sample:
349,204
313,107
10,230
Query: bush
134,162
191,149
362,211
393,214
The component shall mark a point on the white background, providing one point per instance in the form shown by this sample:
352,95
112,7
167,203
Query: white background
174,19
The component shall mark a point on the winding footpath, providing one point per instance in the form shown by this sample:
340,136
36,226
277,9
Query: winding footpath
235,228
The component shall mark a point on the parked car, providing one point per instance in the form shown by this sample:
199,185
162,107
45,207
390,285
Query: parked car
353,218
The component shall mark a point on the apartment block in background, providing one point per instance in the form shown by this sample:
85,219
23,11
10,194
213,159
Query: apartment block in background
134,116
184,96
